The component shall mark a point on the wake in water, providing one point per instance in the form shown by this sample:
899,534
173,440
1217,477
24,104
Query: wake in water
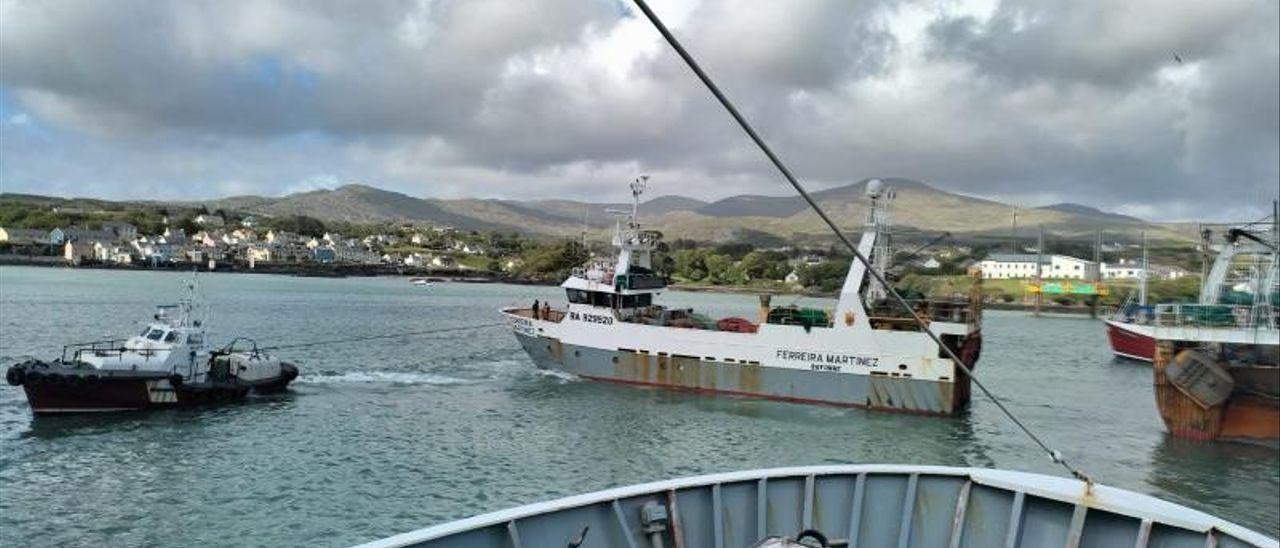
459,374
559,376
387,377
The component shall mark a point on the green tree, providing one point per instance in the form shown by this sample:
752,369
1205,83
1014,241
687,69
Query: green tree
765,265
691,264
825,276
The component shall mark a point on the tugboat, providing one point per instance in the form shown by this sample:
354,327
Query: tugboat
166,365
866,353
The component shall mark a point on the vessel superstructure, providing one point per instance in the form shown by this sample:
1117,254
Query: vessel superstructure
1238,303
1216,364
864,353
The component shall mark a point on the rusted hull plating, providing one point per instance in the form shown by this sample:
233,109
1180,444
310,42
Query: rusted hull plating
884,392
1242,417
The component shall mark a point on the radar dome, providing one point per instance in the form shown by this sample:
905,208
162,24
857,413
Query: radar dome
875,188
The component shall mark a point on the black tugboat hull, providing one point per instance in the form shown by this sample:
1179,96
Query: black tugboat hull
56,389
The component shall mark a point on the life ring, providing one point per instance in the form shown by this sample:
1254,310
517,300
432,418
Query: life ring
14,376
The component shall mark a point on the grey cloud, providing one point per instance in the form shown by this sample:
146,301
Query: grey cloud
1104,43
524,99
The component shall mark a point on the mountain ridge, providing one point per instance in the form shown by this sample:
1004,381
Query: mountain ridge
917,205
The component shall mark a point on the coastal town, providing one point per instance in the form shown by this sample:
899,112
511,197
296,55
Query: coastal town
226,241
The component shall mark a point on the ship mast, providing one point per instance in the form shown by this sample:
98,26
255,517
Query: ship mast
1142,280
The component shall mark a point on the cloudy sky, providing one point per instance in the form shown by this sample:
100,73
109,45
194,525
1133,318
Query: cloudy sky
1026,101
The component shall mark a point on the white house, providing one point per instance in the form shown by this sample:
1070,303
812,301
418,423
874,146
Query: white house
258,254
1004,266
280,237
1128,269
1123,270
108,253
212,221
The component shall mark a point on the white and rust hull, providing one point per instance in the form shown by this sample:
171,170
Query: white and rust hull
755,365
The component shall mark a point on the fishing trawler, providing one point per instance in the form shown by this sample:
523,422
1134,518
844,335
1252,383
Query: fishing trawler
1238,300
1217,364
168,364
865,353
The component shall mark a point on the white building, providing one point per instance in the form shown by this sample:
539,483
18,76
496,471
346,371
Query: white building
1132,270
1123,270
207,220
1004,266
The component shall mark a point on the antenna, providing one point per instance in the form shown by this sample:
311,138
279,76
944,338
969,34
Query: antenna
638,187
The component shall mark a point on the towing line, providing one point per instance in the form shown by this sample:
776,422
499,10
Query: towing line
383,336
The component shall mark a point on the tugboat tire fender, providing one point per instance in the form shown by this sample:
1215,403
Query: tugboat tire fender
34,377
15,376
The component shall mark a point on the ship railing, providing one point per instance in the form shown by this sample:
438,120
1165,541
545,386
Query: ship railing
938,310
106,348
1214,316
251,348
547,314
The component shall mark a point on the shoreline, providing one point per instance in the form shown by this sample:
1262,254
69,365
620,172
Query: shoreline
303,270
457,275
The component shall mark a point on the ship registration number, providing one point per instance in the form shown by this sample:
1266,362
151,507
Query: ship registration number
826,361
590,318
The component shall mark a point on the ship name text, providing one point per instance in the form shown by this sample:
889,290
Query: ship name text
826,361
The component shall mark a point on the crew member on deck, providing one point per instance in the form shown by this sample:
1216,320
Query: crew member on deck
535,309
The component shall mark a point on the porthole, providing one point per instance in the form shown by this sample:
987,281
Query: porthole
615,359
902,367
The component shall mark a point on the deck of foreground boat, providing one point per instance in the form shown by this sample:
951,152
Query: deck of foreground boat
851,505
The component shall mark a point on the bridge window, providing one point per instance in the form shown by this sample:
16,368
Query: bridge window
594,298
155,334
635,301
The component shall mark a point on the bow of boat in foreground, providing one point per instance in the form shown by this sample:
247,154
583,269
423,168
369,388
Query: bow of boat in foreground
849,505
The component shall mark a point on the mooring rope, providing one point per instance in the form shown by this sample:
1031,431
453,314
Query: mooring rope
1055,455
